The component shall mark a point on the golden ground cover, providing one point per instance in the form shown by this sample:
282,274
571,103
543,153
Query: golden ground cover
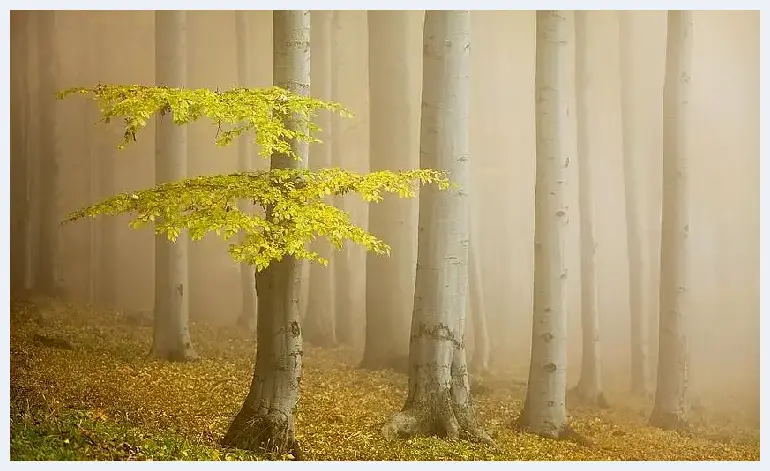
106,399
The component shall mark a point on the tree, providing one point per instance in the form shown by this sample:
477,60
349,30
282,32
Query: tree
589,388
638,302
671,400
544,410
171,339
393,144
344,299
439,397
319,324
480,358
293,198
248,315
20,158
48,257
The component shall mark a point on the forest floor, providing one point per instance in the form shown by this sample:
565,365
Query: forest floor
99,396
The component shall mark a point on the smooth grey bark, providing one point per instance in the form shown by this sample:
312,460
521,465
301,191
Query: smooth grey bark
394,146
171,339
589,389
439,399
48,258
266,419
319,324
671,396
480,358
544,411
638,302
248,315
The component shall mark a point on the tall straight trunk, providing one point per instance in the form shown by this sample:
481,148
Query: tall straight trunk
319,324
20,177
480,358
94,169
48,258
171,338
393,145
638,302
544,411
589,388
671,401
266,419
248,316
439,398
343,267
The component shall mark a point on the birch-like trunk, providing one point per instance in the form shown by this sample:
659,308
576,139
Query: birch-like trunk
394,145
248,315
478,316
48,257
172,328
589,388
638,302
671,401
544,411
439,399
319,324
266,419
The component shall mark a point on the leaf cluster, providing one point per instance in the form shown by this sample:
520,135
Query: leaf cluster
297,214
293,198
263,111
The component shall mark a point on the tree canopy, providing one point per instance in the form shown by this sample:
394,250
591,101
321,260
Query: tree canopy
294,198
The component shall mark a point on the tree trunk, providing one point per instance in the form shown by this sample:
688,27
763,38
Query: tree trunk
266,419
172,330
638,302
393,145
20,177
589,389
94,247
248,316
478,315
544,411
48,258
439,400
343,287
671,404
319,325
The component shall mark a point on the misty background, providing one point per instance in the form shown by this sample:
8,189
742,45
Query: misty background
105,263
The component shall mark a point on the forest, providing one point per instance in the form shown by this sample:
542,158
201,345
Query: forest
384,235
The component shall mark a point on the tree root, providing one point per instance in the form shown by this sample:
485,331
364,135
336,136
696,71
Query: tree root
446,422
667,420
177,355
581,397
270,432
566,433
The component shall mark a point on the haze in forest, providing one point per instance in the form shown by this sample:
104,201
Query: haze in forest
105,263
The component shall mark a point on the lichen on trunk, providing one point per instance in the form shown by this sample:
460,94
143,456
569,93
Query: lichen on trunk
439,401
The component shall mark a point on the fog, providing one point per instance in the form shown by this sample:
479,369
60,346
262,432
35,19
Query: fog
105,263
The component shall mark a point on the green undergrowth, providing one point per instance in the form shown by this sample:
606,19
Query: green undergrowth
105,399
